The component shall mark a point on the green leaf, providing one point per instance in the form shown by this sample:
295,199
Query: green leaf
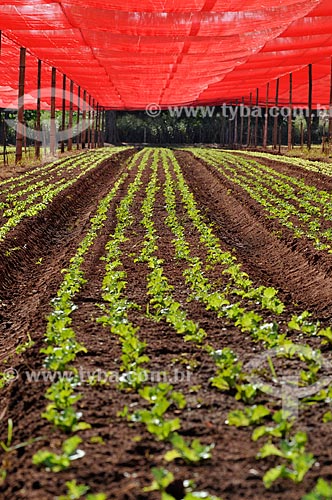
69,446
249,416
162,479
272,475
326,333
172,455
75,491
270,293
322,491
327,417
51,461
269,449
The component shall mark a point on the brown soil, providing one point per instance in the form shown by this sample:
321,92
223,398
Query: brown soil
293,266
317,179
120,465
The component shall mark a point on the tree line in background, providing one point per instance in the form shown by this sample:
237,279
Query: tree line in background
138,127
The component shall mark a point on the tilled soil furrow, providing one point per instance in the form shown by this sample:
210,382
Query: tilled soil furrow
100,402
119,455
282,263
317,179
39,248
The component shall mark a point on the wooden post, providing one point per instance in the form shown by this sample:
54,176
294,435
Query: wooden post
98,125
222,132
280,137
256,119
70,120
103,123
20,112
275,124
230,134
241,122
266,118
63,116
302,134
290,115
236,122
83,136
309,107
38,142
53,145
89,127
4,134
330,110
78,137
249,122
93,137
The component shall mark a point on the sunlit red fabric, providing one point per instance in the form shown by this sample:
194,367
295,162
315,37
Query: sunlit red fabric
127,54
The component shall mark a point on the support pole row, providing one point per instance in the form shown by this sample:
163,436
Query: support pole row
87,134
252,129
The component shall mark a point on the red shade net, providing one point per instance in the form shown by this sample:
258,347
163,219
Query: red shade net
128,54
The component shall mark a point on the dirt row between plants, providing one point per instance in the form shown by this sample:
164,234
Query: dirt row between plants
320,180
268,251
34,253
119,456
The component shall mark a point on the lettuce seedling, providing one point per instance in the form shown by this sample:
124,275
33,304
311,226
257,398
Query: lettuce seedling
55,462
191,453
163,479
229,369
322,491
298,462
284,423
77,491
249,416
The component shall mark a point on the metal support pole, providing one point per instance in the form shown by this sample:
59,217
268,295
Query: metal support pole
20,112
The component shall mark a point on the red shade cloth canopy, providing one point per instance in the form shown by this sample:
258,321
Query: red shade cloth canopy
128,54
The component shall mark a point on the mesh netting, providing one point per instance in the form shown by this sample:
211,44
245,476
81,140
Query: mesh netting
129,54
